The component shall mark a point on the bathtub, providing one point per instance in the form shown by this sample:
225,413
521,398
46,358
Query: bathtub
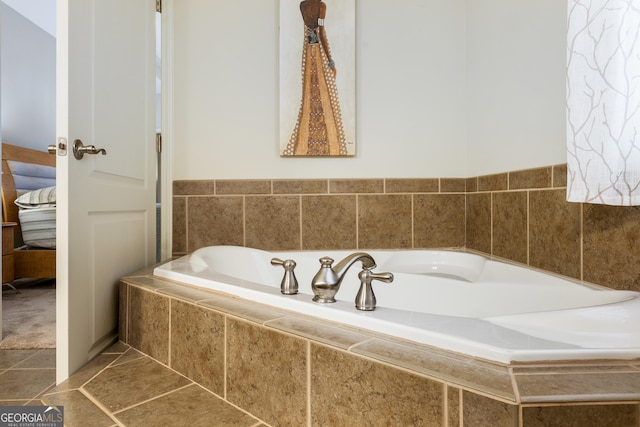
457,301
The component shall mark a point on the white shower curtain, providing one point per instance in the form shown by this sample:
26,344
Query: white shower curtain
603,101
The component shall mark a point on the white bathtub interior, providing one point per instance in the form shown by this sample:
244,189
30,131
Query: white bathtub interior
455,300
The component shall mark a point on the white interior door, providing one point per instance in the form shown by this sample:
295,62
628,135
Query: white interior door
106,203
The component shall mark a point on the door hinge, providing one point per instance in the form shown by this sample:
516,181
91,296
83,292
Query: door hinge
159,6
158,142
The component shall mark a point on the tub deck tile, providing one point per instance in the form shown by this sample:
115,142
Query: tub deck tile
318,330
186,293
152,283
244,309
624,415
459,370
551,383
579,384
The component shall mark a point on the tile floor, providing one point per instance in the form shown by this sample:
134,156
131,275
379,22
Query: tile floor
121,387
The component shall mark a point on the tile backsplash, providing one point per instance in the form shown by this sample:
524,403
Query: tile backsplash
520,216
319,214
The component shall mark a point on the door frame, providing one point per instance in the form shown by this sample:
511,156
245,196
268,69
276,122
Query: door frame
166,103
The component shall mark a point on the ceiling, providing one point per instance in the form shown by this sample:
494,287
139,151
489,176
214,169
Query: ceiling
40,12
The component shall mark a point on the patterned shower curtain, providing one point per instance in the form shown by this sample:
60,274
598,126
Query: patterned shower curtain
603,101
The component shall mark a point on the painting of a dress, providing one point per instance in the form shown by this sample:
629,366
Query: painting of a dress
319,128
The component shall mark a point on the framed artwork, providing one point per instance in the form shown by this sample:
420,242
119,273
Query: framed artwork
317,78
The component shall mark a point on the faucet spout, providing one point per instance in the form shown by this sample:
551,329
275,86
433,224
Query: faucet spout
368,263
326,282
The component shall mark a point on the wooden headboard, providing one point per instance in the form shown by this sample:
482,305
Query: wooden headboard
28,263
19,154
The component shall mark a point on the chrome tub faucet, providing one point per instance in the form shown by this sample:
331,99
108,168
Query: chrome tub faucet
326,282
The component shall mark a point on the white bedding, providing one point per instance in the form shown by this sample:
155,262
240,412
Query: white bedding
37,215
38,227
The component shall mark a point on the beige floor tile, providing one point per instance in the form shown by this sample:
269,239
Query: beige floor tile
79,410
14,402
191,403
25,384
121,386
128,356
119,347
85,373
45,358
10,358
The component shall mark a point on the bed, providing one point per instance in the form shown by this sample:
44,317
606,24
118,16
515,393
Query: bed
28,201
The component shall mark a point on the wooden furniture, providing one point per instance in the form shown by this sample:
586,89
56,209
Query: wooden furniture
7,252
28,263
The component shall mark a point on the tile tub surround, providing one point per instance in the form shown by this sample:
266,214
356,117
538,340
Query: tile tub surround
520,216
319,214
288,369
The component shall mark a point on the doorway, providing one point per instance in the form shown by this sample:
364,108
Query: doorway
31,15
28,124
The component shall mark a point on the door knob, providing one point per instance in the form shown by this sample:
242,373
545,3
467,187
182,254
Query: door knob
79,149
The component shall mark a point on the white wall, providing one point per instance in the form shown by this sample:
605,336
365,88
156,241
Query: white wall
411,91
516,79
27,82
438,82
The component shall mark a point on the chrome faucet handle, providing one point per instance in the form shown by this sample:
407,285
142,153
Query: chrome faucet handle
326,261
289,284
366,299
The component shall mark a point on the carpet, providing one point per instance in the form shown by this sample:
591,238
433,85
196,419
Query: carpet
29,318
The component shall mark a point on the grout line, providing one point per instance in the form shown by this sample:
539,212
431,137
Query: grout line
413,220
244,220
225,358
169,333
99,405
357,221
192,383
300,222
359,343
28,369
445,404
491,222
258,422
520,416
308,383
514,385
41,394
461,407
528,227
127,315
186,224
